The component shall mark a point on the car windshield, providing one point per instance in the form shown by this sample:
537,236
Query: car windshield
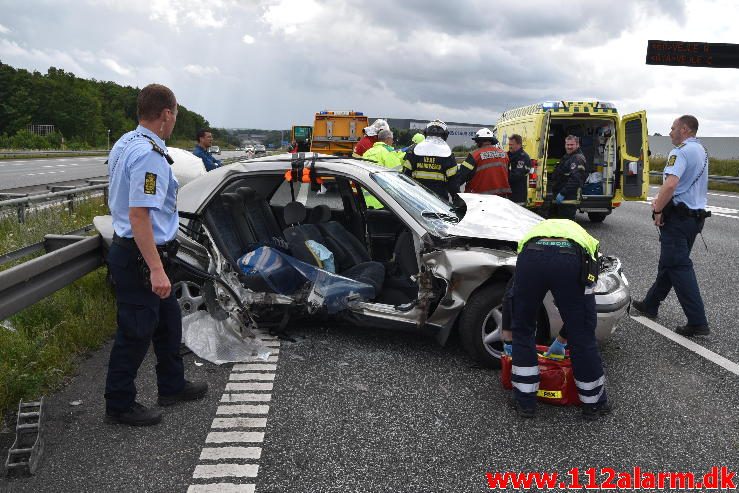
429,210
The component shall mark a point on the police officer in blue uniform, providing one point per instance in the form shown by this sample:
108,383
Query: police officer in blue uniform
557,255
205,140
679,211
143,203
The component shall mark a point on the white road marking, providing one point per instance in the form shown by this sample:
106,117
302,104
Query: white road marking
221,488
241,417
238,387
689,344
243,409
239,423
235,437
252,376
226,471
218,453
715,210
254,366
245,397
269,344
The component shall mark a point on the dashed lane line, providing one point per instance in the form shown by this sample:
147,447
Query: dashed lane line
218,453
724,363
233,454
249,386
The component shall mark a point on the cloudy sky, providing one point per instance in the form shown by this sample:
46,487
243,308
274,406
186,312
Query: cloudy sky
272,63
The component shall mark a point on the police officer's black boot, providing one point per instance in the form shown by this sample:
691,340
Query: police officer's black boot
136,415
192,391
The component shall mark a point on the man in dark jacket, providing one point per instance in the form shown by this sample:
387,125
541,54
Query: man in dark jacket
432,163
519,165
567,180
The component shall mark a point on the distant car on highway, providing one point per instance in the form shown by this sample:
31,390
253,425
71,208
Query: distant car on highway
260,150
214,150
417,264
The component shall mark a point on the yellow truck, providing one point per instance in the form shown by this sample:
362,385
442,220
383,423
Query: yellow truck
616,150
337,132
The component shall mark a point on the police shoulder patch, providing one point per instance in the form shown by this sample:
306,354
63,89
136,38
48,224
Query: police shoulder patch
671,160
150,183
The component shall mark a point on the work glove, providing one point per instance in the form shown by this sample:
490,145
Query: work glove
556,348
560,198
508,348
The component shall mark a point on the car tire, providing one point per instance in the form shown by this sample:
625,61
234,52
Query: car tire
597,217
482,316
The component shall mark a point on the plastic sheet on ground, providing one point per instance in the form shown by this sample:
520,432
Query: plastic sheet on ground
217,341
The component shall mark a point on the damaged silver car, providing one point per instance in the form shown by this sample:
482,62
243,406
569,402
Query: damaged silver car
268,240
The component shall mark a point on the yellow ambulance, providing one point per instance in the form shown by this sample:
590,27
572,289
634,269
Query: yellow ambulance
616,150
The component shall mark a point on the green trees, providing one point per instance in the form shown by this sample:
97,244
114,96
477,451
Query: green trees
82,111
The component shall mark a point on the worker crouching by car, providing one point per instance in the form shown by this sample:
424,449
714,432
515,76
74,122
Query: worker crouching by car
557,255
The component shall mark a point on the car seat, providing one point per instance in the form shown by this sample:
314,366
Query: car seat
297,233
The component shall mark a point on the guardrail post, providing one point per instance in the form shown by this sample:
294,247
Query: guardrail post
22,213
70,198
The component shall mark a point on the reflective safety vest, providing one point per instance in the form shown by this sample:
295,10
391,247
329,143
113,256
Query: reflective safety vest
486,171
385,155
437,173
561,228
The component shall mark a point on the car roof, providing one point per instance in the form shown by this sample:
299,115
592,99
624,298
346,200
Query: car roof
194,194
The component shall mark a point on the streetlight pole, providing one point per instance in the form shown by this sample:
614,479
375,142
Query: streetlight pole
108,139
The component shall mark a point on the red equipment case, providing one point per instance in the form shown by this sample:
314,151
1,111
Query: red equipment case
556,380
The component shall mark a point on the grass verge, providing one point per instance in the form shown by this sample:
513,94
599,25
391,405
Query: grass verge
40,346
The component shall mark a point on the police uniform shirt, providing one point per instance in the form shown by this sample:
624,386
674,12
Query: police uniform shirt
141,177
689,163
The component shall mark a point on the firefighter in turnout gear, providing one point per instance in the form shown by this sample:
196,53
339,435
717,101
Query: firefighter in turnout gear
557,255
486,169
432,163
567,180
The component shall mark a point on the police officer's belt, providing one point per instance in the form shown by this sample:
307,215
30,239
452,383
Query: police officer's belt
682,210
130,244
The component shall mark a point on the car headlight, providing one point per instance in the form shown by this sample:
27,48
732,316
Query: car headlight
606,284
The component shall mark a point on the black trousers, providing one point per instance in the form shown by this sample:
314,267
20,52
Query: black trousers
143,319
550,269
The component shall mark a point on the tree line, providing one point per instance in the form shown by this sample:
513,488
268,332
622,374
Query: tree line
81,110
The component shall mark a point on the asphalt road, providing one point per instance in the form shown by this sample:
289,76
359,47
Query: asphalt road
26,173
375,411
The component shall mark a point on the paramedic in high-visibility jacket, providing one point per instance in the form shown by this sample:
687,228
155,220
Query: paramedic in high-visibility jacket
557,255
432,163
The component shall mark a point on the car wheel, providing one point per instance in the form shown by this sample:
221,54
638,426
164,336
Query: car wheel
597,217
189,296
480,325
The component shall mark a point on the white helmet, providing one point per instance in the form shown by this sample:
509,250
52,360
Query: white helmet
436,128
484,133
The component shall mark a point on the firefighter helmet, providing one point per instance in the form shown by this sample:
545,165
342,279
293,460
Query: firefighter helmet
436,128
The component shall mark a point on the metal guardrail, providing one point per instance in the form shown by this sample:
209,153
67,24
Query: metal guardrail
714,178
23,201
32,281
47,244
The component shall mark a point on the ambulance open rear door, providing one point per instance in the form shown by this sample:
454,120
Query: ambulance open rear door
543,142
633,148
